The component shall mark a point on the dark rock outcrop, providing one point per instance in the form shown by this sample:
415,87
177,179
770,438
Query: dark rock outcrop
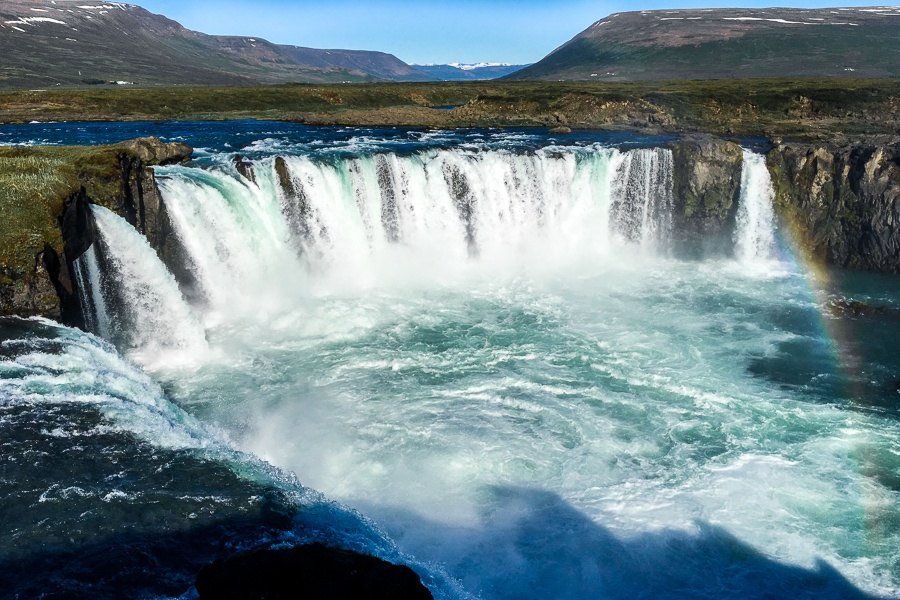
118,177
35,294
132,186
154,152
78,232
841,204
707,179
311,572
244,167
857,308
294,204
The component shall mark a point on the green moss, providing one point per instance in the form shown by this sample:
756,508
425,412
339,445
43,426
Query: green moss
34,184
33,187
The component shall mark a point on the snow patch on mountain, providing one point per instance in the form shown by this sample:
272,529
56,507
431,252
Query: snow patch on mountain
481,65
33,20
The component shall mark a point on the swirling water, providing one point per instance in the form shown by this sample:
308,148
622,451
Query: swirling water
484,344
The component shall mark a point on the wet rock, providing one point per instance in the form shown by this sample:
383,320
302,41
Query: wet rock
841,203
562,129
707,179
861,309
32,295
155,152
311,572
245,167
294,204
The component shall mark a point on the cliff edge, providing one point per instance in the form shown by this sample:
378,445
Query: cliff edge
45,193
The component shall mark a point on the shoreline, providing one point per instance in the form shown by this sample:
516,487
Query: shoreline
811,109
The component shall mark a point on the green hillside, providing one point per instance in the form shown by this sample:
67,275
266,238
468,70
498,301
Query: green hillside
729,44
81,42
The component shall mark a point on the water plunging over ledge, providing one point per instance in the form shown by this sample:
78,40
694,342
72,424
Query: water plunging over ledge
496,355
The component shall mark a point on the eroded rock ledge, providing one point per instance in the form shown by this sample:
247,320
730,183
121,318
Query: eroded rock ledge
45,193
841,202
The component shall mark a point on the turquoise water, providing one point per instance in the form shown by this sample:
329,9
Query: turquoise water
481,358
635,398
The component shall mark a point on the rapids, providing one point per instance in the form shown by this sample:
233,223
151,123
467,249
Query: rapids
486,345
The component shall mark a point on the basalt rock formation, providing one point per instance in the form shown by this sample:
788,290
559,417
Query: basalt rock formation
841,203
707,179
45,197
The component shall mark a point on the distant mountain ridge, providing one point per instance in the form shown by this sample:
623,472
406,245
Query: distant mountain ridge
463,72
73,42
729,43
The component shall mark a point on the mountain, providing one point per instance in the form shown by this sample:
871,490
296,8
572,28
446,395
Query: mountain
463,72
74,42
730,43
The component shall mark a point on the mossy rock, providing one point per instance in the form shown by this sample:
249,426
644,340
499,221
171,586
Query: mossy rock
36,182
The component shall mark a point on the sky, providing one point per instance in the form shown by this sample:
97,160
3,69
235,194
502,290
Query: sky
423,31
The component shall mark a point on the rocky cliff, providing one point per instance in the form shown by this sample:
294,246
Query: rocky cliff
841,202
45,195
706,179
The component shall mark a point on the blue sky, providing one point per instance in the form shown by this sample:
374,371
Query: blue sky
423,31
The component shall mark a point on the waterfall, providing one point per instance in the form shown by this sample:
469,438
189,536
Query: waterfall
236,240
146,310
755,231
249,248
365,220
458,205
88,276
642,188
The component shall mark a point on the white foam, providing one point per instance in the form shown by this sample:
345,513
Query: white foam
160,317
755,232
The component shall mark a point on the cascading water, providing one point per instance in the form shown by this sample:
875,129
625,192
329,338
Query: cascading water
491,354
90,289
150,314
755,231
387,216
642,190
235,241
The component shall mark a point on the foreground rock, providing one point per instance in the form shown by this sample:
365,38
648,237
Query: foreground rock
841,203
311,572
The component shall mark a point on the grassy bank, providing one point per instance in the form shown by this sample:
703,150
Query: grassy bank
812,108
34,183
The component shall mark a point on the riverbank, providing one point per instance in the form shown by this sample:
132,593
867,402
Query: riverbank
813,109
